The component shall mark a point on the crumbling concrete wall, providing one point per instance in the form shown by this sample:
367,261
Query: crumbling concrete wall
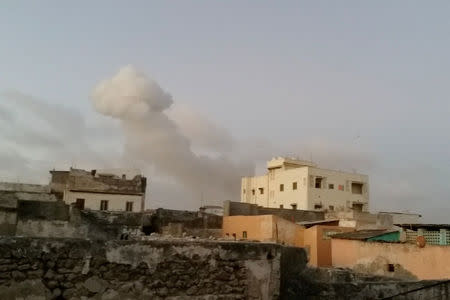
8,214
142,270
328,283
174,222
247,209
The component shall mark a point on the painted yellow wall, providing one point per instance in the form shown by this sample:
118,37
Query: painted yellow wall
115,202
306,196
430,262
265,228
319,245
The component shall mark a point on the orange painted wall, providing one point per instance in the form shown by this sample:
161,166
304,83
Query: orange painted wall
265,228
319,247
430,262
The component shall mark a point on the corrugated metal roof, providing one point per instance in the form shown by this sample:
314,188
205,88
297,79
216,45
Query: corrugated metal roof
361,234
425,226
308,224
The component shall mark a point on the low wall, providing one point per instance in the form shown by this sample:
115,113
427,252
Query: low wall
408,261
265,228
247,209
175,269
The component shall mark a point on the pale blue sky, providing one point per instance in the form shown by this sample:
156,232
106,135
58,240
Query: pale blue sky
371,76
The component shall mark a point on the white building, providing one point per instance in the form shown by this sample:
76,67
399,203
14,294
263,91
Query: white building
109,190
292,183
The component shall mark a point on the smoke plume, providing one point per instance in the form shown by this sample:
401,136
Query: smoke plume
153,138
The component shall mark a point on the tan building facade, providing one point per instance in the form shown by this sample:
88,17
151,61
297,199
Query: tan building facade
108,190
264,228
291,183
402,260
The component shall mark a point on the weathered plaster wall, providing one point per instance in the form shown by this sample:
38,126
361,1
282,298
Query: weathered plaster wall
247,209
318,243
144,270
409,261
266,228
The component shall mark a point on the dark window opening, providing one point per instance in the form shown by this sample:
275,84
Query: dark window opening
104,205
281,187
244,234
234,236
294,206
357,188
331,207
129,206
391,268
281,206
294,185
317,206
80,204
253,192
318,182
331,186
124,176
261,190
357,206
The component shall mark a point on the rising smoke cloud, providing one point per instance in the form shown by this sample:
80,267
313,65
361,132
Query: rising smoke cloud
153,138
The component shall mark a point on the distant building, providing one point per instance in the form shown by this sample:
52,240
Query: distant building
292,183
109,190
403,217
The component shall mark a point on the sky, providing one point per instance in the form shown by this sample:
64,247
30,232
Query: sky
353,85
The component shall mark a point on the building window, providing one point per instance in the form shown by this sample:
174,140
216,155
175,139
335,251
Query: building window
281,187
124,176
341,187
80,203
391,268
331,186
261,190
253,191
357,188
294,206
294,185
318,183
281,206
244,234
331,207
129,206
104,205
317,206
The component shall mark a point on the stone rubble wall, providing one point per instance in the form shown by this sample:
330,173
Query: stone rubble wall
40,268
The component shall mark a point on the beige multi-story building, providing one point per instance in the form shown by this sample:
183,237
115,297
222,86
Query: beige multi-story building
298,184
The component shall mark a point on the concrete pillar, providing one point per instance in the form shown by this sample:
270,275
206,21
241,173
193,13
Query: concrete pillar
443,237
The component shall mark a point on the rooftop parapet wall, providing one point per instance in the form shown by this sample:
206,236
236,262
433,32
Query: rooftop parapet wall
248,209
145,270
81,180
24,187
